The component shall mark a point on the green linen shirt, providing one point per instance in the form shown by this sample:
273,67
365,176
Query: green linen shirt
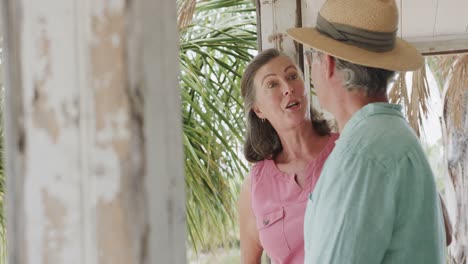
376,199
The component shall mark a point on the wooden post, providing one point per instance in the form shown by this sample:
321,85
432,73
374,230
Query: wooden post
94,160
275,17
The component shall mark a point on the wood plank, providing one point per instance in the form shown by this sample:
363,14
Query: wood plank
452,18
441,44
276,17
417,18
49,231
310,10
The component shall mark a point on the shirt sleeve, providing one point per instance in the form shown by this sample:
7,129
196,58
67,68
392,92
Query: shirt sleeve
353,214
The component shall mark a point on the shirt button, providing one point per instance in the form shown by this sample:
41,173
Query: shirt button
310,196
266,221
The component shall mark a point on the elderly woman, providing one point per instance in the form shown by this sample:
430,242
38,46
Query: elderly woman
289,143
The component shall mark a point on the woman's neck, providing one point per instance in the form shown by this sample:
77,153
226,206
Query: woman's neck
298,143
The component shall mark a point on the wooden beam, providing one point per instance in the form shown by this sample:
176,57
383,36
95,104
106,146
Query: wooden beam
441,44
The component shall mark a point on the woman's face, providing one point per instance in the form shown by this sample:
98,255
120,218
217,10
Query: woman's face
280,94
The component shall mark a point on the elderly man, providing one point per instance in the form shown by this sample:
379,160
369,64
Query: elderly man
376,200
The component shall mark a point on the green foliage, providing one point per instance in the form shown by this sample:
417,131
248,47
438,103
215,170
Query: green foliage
215,47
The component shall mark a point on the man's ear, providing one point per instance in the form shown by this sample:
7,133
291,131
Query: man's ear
329,65
258,112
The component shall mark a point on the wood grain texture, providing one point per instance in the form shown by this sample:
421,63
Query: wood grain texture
94,158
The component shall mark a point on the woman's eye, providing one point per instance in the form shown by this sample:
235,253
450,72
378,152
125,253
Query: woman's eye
271,85
293,77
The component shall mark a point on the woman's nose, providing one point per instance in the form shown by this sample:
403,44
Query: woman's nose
288,89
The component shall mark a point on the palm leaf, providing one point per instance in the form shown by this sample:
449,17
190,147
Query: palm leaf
414,100
456,91
185,11
217,40
455,130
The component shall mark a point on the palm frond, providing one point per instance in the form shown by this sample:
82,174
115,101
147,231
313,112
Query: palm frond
441,66
456,91
455,128
414,100
215,47
185,11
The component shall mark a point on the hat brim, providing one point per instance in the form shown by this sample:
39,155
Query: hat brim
403,57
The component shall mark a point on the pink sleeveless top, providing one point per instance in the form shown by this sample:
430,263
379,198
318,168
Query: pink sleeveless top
279,205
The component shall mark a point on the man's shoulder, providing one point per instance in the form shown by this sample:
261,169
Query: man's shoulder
386,138
377,144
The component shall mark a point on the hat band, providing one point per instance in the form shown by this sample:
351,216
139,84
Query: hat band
365,39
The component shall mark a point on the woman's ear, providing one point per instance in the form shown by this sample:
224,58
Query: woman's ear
258,112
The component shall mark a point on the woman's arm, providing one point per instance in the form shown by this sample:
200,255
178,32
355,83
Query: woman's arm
251,249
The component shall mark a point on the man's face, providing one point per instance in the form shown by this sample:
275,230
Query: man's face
317,75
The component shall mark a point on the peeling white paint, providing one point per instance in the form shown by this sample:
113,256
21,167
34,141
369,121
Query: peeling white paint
104,80
51,84
277,16
41,66
41,176
115,128
47,47
84,139
105,159
107,182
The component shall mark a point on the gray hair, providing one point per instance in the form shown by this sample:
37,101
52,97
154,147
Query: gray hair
373,81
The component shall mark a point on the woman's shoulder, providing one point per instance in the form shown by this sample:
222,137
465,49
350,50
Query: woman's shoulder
328,147
334,136
332,140
257,170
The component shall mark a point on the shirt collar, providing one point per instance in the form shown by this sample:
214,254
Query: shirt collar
370,110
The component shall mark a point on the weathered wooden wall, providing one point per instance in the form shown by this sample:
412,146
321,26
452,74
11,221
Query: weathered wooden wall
93,132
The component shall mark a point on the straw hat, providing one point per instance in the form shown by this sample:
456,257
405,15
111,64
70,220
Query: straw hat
362,32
